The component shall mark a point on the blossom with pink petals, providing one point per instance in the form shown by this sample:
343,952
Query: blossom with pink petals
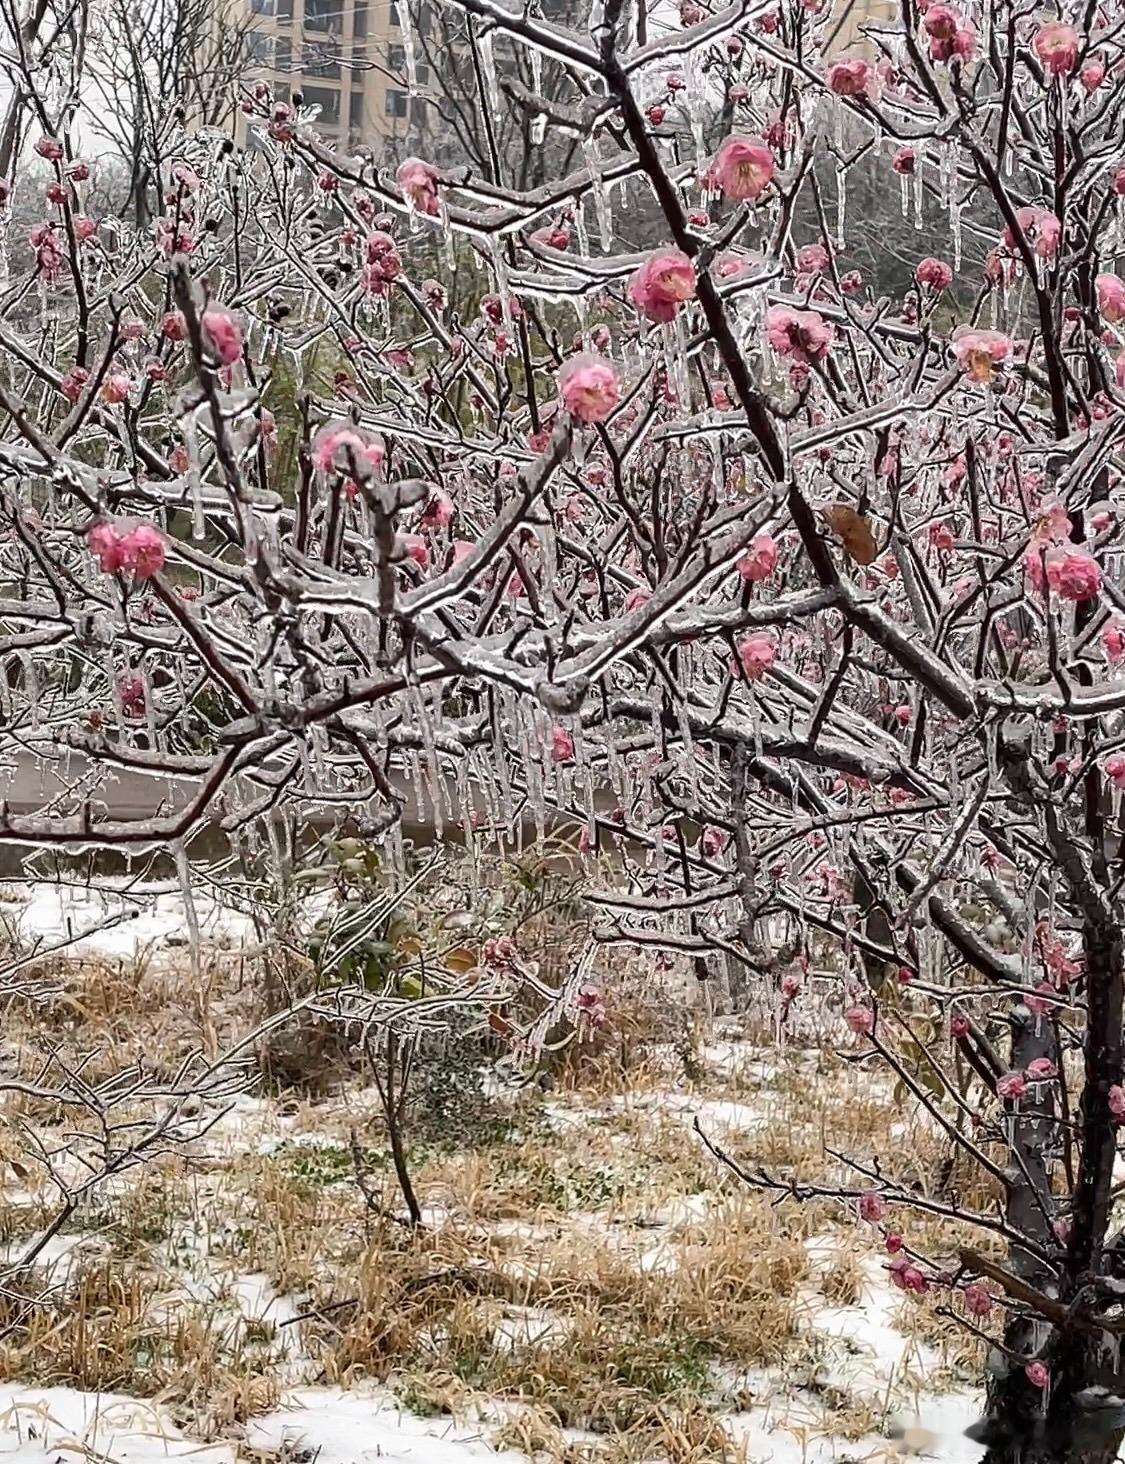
861,1019
1111,297
418,182
562,745
760,560
340,447
589,387
802,335
977,1299
1056,44
1113,640
1012,1086
223,334
1117,1102
756,654
1037,1374
145,551
1092,74
662,284
935,274
872,1207
952,36
849,77
1115,770
1040,227
979,352
742,168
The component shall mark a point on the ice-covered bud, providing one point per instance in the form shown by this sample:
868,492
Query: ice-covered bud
418,183
934,274
850,77
223,334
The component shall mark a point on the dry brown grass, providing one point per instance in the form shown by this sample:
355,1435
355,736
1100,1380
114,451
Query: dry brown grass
596,1269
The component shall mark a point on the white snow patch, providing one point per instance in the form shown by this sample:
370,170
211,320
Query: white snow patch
60,1422
365,1427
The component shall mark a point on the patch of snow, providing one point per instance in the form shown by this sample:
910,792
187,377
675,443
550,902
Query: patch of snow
361,1427
38,1423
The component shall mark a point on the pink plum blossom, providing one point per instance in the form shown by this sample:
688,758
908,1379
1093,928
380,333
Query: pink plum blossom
760,560
757,653
418,183
742,168
662,284
1012,1086
935,274
589,387
1111,297
801,335
849,77
223,334
1037,1374
1056,44
979,352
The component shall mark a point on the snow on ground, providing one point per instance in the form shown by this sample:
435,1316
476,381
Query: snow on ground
61,1423
115,920
360,1427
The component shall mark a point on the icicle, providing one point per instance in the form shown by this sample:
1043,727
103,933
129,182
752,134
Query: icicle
598,188
198,514
191,916
407,29
841,207
904,190
31,686
918,194
581,233
675,358
488,66
500,273
955,226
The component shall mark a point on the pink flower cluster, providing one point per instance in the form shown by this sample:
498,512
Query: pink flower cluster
139,548
850,77
952,37
756,654
1071,572
1040,227
383,263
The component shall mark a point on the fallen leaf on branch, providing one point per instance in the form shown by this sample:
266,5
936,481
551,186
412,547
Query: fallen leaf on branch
853,530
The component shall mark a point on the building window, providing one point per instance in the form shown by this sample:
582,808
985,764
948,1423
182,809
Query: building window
285,9
261,7
319,62
396,60
282,53
359,21
355,112
327,100
323,15
394,14
396,104
259,49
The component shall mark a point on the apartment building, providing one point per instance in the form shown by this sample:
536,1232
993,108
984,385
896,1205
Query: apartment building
346,57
